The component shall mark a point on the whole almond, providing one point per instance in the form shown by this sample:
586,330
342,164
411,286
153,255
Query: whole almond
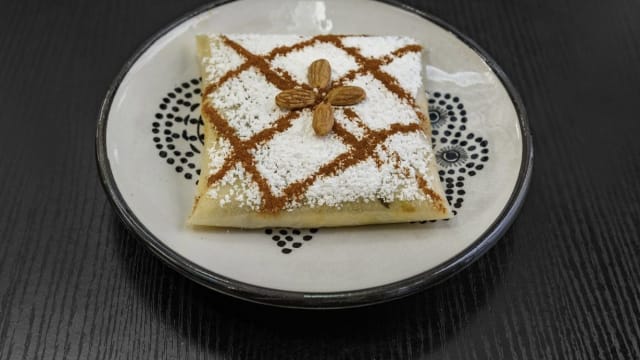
346,95
295,98
322,119
319,74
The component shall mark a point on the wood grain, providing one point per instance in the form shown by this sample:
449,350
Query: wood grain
564,283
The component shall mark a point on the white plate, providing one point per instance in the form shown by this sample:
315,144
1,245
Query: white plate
148,145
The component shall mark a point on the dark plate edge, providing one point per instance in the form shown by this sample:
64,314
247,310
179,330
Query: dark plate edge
331,300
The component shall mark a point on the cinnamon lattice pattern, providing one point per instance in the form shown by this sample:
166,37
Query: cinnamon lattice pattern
359,149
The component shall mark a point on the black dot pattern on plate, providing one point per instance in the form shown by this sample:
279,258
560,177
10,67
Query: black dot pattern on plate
451,118
290,239
460,152
177,135
178,119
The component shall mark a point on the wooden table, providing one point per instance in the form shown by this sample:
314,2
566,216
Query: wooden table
564,283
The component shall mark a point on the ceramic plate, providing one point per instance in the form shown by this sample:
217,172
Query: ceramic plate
149,142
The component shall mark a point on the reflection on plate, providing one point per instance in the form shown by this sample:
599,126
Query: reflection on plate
149,140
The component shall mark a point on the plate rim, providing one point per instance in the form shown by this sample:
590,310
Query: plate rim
318,300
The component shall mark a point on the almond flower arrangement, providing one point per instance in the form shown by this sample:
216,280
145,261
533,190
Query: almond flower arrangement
322,97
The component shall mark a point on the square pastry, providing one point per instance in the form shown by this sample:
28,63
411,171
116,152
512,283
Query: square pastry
316,131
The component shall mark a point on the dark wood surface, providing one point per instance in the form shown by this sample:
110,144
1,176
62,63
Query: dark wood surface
564,283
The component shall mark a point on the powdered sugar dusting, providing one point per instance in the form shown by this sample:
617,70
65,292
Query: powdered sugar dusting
222,60
237,188
359,182
377,46
247,102
414,153
402,157
381,107
297,62
350,125
404,69
295,154
218,153
262,45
